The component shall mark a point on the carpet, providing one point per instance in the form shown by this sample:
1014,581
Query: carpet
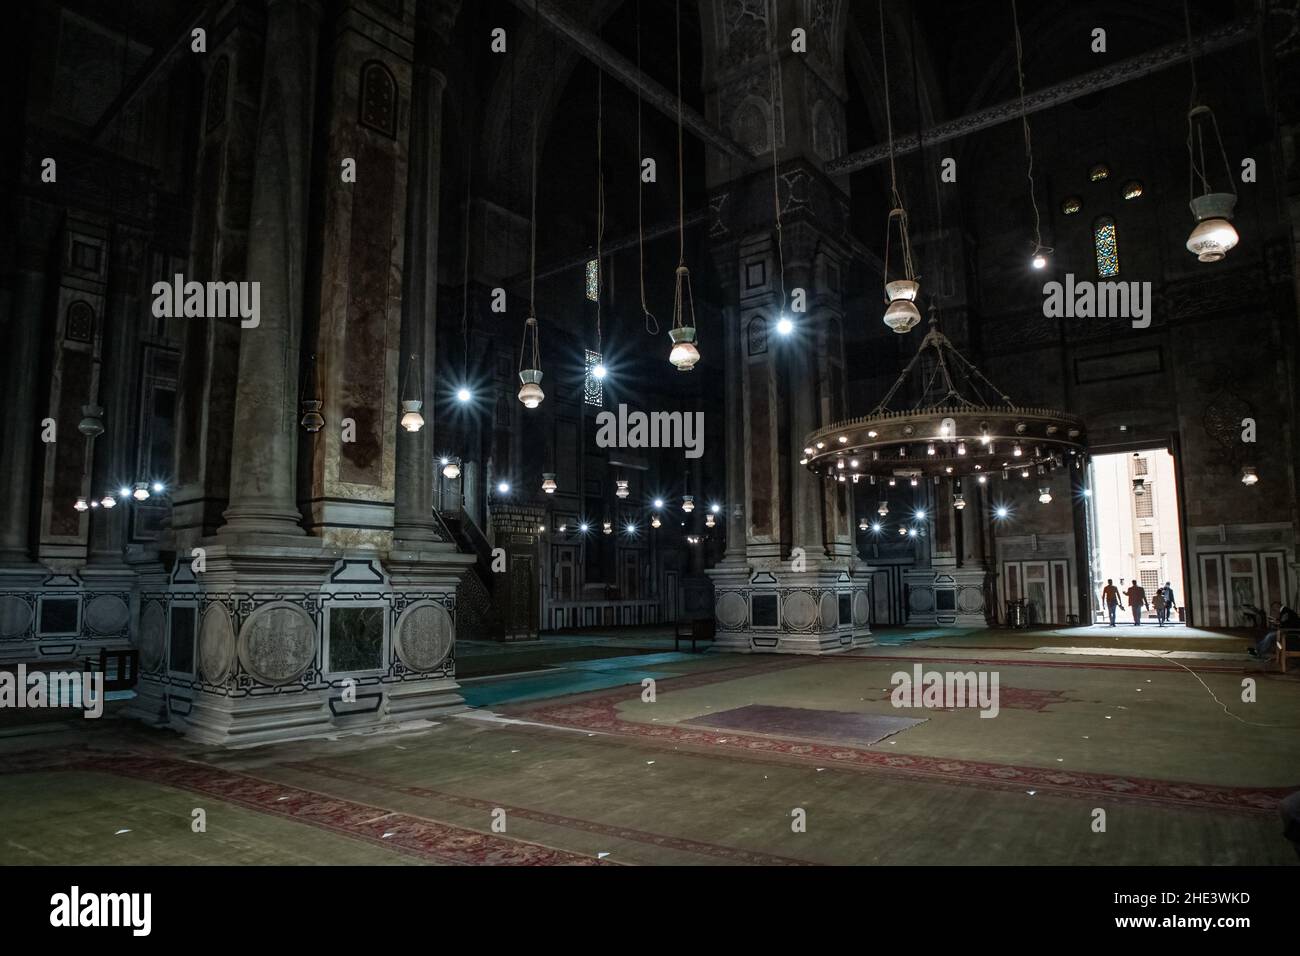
838,726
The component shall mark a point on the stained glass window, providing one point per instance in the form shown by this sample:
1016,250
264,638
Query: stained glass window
1107,246
593,389
593,279
1071,205
1132,189
1099,172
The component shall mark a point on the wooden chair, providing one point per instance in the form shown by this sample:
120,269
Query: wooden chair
1288,646
695,629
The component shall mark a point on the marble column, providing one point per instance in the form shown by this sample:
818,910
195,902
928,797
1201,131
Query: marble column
733,508
413,507
20,425
263,466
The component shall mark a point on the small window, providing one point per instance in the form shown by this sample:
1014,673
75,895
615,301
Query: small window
1132,189
1142,506
1139,466
1106,244
593,279
1150,580
1147,542
1098,173
1071,205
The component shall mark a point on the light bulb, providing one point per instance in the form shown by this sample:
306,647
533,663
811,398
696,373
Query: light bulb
81,505
463,394
1002,511
1039,261
503,487
715,507
450,468
659,502
784,326
599,370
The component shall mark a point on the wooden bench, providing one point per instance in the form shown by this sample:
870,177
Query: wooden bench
697,629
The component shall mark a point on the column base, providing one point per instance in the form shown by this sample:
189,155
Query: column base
774,610
290,640
946,597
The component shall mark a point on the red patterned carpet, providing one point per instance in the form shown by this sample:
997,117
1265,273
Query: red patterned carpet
416,836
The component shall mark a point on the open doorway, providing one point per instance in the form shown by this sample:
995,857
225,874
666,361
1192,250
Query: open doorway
1134,530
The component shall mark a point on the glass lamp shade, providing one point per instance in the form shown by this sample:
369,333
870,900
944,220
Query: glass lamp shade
621,490
1044,496
1214,237
684,354
91,425
412,420
108,501
905,290
81,505
655,522
709,522
883,509
862,524
141,492
312,420
902,316
958,501
548,483
530,392
1249,475
688,503
607,527
451,469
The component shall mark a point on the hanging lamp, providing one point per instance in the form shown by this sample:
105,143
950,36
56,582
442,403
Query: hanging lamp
688,503
548,483
684,353
901,313
530,389
1213,236
620,488
1039,257
412,420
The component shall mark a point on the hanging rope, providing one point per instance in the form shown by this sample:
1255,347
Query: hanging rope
600,195
1024,121
651,323
773,80
681,203
898,212
532,250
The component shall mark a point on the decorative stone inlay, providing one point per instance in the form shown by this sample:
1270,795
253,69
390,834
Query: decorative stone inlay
425,635
216,643
107,614
15,616
830,611
277,643
921,599
731,609
970,600
861,608
800,610
153,635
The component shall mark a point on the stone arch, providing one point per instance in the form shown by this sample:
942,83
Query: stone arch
377,101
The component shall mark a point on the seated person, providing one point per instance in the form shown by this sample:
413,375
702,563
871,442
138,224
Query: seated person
1267,647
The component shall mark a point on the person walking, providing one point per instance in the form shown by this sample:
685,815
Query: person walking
1137,601
1158,603
1170,603
1110,598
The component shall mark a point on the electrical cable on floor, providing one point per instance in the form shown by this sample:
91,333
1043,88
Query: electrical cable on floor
1250,723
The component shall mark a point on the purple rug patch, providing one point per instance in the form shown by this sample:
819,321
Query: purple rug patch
837,726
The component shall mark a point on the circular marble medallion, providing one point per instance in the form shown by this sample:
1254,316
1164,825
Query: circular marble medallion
800,610
731,609
830,611
153,634
861,607
216,643
277,643
107,614
921,599
425,635
970,600
15,616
